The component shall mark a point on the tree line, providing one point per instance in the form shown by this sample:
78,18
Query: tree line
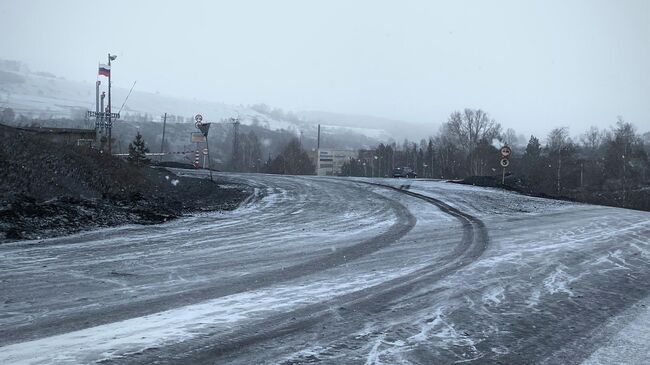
610,164
291,160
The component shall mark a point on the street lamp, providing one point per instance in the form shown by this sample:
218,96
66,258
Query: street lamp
374,165
110,110
350,166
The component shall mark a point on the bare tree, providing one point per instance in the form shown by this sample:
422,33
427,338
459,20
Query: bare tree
592,138
625,138
468,129
558,139
510,137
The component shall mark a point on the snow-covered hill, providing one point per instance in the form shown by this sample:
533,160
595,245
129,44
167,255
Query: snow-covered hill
44,96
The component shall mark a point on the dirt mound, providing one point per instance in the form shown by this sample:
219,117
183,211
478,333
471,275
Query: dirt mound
49,189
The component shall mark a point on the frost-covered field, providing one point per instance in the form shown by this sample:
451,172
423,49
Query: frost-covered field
324,270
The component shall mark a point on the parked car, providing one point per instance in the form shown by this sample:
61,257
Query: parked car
405,172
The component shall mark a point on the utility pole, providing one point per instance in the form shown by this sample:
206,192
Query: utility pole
559,165
432,163
235,144
162,143
624,171
318,151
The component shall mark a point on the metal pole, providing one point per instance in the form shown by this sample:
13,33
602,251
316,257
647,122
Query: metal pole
110,121
97,110
559,165
101,121
350,166
432,163
582,169
162,143
503,177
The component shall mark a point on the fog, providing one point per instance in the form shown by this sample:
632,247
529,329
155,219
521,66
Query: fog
531,66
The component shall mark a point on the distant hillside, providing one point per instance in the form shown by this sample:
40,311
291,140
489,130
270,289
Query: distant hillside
397,129
45,96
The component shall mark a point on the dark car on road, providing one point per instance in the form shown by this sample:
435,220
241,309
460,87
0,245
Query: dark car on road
405,172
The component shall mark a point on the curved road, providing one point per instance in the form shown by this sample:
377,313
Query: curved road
332,271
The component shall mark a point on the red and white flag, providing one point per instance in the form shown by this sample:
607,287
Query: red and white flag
104,70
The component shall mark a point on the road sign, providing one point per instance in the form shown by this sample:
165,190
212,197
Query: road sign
504,162
198,118
198,137
505,151
204,128
205,151
103,114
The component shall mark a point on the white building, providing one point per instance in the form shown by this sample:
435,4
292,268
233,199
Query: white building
330,162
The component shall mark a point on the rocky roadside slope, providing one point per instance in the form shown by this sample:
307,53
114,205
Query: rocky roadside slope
49,189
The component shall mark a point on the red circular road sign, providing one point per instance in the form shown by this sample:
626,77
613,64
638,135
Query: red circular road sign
505,151
199,120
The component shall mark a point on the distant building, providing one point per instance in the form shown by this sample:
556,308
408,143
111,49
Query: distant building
330,162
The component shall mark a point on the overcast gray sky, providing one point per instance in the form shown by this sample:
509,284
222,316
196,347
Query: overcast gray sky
531,64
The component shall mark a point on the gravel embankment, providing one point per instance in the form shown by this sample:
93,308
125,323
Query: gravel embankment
49,189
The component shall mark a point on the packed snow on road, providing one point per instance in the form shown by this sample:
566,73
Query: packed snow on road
339,270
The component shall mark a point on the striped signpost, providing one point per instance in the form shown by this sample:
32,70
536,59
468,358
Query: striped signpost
504,162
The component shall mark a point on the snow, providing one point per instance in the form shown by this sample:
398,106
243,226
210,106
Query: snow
478,201
50,97
630,344
135,335
543,259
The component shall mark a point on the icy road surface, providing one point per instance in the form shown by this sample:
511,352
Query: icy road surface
340,271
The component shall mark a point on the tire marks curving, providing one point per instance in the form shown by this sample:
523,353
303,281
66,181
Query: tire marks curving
237,345
140,307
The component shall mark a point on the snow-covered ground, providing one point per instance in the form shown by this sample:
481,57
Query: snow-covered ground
334,270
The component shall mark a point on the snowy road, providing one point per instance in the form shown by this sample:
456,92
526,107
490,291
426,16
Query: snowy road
340,271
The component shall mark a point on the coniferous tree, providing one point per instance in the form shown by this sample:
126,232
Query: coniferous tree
138,151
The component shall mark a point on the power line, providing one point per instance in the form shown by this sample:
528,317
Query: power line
127,97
